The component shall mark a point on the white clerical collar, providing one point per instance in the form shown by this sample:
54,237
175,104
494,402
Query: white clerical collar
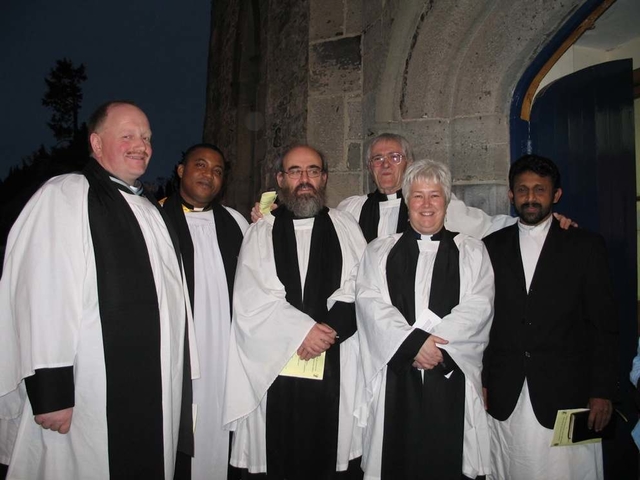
535,230
135,189
426,244
303,222
393,196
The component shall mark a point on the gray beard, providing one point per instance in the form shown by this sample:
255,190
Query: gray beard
303,206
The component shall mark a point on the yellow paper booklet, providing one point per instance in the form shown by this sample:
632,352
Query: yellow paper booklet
312,369
563,429
266,200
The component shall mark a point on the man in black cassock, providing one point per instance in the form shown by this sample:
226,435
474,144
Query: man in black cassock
92,335
293,302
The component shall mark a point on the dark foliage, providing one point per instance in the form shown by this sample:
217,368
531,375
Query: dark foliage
37,168
64,97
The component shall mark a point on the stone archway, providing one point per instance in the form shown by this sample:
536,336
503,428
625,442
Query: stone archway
446,82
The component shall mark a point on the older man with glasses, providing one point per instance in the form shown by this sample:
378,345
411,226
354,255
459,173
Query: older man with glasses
383,212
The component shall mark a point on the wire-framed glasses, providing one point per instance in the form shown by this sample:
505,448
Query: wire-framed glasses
393,157
296,173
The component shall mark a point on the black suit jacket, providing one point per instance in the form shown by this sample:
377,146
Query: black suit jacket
561,335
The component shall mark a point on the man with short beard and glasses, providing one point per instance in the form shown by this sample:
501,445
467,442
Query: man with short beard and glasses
554,336
293,298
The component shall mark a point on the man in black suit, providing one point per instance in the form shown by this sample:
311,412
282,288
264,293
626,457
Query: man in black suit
553,340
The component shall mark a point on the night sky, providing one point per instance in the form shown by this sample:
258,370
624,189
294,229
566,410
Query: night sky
151,52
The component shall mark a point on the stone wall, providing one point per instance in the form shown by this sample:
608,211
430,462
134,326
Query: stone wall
443,75
335,92
335,73
257,88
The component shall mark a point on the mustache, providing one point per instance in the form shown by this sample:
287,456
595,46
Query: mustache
305,185
532,204
138,152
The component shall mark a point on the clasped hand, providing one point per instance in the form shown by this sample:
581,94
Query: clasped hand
318,340
429,354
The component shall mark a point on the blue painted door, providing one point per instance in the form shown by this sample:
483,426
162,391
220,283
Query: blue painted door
584,122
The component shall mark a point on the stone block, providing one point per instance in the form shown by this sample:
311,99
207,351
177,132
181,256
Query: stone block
480,148
478,162
326,128
492,198
374,51
480,129
354,16
371,12
335,66
368,111
354,157
342,185
354,120
326,19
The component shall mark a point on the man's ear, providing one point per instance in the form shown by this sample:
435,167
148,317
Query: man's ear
96,144
279,178
510,196
556,195
180,170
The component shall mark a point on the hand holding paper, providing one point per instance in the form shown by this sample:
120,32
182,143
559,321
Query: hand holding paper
317,341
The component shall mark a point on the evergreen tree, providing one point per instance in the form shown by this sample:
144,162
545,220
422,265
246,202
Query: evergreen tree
64,97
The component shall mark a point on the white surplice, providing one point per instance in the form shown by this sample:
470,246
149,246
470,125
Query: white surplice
266,331
212,319
383,329
51,318
460,217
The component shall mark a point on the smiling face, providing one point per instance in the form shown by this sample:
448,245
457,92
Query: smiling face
533,197
122,143
387,175
201,176
427,207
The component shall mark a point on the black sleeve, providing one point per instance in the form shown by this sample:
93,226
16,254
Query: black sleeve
342,318
51,389
447,365
403,358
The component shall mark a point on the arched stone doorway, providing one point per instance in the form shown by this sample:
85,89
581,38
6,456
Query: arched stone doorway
446,83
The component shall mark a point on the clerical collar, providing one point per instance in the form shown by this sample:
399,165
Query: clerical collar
535,230
187,207
383,197
436,237
124,187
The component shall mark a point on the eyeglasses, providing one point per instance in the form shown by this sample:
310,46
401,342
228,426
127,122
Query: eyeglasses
393,157
296,173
